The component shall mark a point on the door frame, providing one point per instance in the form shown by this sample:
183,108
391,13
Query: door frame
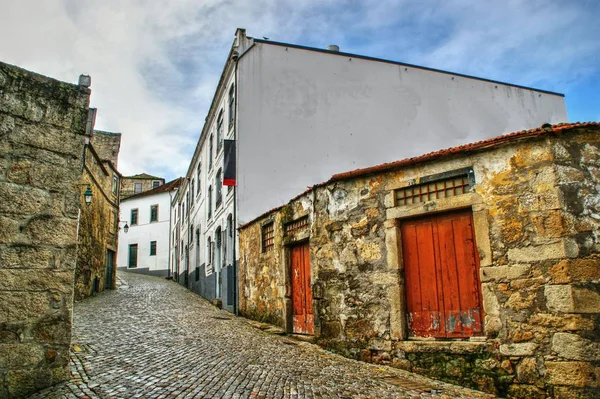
288,303
393,241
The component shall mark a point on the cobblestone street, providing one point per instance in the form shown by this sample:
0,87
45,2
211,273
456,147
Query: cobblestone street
152,338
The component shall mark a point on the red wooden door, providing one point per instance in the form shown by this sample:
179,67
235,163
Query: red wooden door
441,266
303,322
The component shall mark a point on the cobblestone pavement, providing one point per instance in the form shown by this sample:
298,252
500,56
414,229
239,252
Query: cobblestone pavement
152,338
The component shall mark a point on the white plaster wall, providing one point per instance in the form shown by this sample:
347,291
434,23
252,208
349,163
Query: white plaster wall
144,232
305,115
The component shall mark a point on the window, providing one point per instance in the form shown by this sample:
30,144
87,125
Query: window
218,189
209,206
155,184
198,236
229,241
182,249
296,225
208,250
197,275
220,131
232,104
210,152
133,249
218,246
137,188
115,184
134,217
435,187
182,210
153,213
152,248
191,235
198,174
268,236
192,192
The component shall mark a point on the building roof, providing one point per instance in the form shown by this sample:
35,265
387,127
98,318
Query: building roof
144,176
165,188
544,130
364,57
106,133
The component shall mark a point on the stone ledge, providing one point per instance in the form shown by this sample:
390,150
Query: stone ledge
457,347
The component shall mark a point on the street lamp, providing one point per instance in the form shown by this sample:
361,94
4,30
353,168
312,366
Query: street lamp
88,196
125,228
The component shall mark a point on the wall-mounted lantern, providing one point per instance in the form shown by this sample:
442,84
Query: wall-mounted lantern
88,196
125,228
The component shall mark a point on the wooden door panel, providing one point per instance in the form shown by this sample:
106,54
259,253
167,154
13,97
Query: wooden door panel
441,266
302,313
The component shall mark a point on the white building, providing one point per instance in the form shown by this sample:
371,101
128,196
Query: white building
301,114
144,247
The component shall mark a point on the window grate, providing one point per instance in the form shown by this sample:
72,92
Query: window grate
432,191
296,225
268,236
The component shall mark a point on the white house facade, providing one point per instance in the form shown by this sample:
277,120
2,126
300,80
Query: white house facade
144,231
299,115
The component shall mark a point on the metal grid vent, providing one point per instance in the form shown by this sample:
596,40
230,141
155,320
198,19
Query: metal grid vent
435,190
268,236
296,225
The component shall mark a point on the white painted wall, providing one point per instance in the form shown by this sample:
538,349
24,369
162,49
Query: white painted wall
305,115
145,232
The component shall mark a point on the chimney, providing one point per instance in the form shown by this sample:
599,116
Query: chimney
333,47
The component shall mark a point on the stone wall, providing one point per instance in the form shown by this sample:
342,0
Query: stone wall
128,184
535,206
98,229
42,128
107,146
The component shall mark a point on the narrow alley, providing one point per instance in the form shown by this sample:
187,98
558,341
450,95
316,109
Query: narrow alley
152,338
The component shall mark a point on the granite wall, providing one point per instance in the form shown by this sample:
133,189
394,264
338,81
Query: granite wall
42,129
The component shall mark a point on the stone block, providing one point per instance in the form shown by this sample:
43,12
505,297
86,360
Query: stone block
504,273
571,299
531,202
21,383
380,344
58,281
10,232
50,230
22,355
550,224
35,257
574,347
520,349
575,270
527,370
578,374
22,200
24,307
520,300
570,322
537,253
48,137
568,174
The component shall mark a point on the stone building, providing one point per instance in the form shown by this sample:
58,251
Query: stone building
99,220
42,135
478,265
131,185
273,103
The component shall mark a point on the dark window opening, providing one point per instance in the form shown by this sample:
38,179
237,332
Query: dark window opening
133,251
268,236
152,248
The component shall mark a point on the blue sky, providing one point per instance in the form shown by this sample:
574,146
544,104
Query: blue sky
155,64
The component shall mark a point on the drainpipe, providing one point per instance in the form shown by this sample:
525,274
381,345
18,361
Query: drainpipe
234,221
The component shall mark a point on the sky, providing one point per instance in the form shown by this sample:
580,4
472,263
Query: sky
155,64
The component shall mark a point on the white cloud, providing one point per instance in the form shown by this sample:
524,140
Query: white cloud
155,64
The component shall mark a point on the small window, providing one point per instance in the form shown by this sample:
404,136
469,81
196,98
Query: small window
191,235
153,213
208,251
218,189
296,225
220,131
210,152
137,188
134,217
115,184
133,250
231,104
209,206
433,190
198,174
268,236
198,236
192,192
197,274
152,248
155,184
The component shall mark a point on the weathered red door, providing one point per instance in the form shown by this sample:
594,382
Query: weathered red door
441,266
303,322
